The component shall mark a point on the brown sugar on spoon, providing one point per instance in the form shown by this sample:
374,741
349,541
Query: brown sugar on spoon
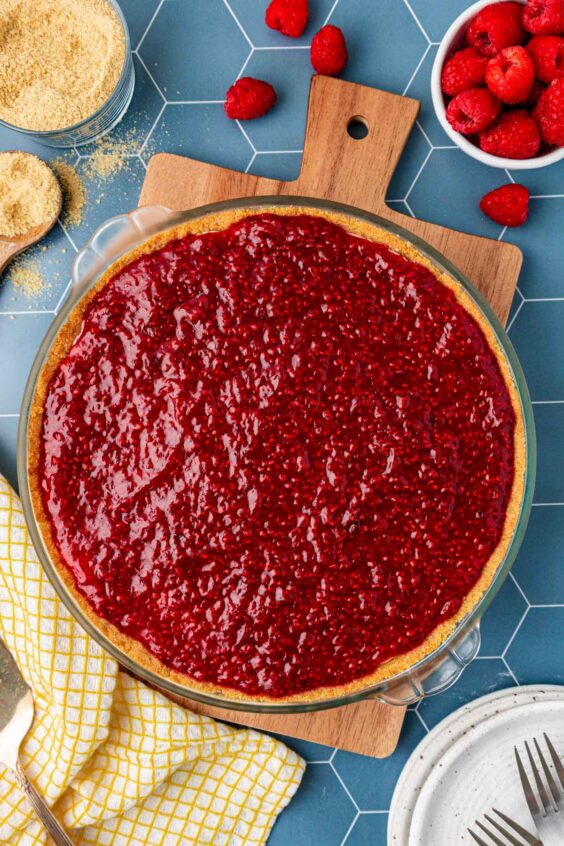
60,61
30,194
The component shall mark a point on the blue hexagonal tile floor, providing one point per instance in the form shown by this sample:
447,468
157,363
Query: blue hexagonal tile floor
539,571
435,18
420,89
530,655
194,50
448,189
202,132
251,16
372,793
385,42
321,811
187,53
289,71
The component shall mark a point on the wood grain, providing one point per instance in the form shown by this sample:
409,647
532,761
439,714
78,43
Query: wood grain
337,167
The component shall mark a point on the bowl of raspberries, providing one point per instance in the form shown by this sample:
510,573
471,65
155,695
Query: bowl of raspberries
498,82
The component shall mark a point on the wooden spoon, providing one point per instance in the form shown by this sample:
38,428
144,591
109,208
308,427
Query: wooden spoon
14,245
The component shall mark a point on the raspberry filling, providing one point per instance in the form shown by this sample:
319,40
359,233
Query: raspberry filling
277,455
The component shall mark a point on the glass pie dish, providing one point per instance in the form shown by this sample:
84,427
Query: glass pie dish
439,669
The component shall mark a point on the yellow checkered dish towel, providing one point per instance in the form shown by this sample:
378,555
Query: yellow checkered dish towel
120,763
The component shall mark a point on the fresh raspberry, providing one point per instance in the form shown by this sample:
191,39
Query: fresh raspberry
549,113
466,69
329,51
473,110
495,27
510,75
544,17
514,136
508,205
249,98
287,16
547,53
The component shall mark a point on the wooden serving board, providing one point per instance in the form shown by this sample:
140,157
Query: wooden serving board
337,167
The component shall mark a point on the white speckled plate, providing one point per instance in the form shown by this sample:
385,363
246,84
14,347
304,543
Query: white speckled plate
434,746
479,771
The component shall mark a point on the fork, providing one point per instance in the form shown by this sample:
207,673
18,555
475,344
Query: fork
547,806
527,839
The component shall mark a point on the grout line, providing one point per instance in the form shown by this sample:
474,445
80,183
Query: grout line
151,77
408,207
253,157
70,239
489,657
519,588
368,813
502,233
277,152
350,828
544,299
344,786
289,47
418,174
151,130
547,504
414,74
510,671
331,10
514,635
63,296
547,402
194,102
326,761
421,720
547,605
512,321
245,63
238,22
425,136
3,416
418,22
244,131
545,196
148,27
509,176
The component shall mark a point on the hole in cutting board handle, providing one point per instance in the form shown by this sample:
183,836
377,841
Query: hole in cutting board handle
357,127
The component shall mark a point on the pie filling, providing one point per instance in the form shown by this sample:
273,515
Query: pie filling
276,455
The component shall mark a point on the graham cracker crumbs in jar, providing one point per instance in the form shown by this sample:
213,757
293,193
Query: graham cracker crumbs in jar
60,60
30,195
74,192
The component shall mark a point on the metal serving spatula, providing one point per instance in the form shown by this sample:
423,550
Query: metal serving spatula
16,718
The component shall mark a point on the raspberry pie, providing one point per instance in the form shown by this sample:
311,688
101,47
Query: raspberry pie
277,454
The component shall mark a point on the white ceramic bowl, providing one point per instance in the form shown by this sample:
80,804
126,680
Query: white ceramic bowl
453,40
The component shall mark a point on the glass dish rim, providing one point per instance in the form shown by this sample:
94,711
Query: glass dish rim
373,690
38,134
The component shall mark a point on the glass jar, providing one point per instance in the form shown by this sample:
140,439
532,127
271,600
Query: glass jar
104,119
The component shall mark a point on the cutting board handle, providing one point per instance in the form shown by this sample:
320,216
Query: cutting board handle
341,167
